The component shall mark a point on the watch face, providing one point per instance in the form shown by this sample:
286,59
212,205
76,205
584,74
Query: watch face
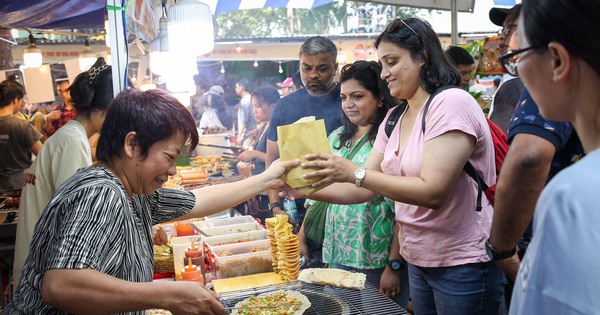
360,174
395,264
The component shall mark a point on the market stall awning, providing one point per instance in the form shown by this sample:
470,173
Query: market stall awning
53,14
461,5
234,5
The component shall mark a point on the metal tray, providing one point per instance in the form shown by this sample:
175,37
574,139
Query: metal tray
326,300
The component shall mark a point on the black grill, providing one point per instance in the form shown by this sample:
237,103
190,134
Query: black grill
326,300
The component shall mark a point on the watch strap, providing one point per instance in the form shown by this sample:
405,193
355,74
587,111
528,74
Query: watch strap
275,205
499,255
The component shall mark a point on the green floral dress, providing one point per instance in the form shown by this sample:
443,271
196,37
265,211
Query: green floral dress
358,235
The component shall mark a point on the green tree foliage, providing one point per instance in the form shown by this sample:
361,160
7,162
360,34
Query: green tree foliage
276,22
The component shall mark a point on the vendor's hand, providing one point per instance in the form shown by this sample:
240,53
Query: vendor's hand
330,168
247,156
159,236
510,266
190,297
276,171
389,285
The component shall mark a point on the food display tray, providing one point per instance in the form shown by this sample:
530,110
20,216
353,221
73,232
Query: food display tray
327,300
236,238
229,229
222,222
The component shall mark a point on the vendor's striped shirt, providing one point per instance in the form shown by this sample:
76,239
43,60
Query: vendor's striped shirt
91,223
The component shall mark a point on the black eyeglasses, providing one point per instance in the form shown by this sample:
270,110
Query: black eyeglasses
395,25
510,60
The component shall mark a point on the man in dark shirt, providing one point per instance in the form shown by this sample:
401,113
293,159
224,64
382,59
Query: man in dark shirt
319,98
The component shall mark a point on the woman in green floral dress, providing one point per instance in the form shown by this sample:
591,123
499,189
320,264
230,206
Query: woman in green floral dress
359,237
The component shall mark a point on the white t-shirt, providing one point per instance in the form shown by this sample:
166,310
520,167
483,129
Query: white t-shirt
454,234
61,155
559,273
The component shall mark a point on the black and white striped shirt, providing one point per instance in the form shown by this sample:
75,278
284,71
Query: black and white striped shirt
91,223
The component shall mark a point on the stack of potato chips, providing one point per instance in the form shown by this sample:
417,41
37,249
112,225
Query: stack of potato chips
284,247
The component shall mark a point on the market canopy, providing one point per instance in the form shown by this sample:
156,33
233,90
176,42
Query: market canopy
80,14
53,14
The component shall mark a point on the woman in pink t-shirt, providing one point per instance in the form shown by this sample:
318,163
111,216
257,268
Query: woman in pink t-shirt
441,236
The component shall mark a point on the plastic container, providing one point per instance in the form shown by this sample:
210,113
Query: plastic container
230,229
244,264
240,248
222,222
236,238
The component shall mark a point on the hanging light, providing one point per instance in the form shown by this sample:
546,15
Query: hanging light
186,17
86,57
255,64
32,56
222,68
280,69
159,48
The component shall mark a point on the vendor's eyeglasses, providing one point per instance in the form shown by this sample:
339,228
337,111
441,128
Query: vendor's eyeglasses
510,60
395,26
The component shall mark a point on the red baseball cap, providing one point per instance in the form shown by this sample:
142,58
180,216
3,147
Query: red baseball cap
286,83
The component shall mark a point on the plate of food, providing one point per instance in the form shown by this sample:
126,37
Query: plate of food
281,302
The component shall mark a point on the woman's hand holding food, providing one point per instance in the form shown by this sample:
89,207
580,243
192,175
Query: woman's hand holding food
330,168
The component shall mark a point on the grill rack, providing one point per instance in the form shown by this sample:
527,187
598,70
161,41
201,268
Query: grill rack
327,300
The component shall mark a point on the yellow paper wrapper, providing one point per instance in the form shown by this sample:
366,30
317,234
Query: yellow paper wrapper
297,140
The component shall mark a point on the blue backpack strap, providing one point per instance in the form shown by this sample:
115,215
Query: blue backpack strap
394,117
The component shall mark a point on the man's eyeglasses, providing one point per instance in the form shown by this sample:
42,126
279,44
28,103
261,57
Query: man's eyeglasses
395,25
510,60
506,30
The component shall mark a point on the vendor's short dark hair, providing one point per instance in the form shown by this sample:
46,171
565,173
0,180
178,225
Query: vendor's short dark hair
459,56
154,114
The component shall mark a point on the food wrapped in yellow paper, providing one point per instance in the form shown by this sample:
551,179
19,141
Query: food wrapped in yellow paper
296,140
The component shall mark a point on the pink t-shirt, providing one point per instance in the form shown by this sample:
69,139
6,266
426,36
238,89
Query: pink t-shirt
454,234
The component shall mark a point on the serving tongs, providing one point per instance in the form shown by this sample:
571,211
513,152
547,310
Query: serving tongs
234,149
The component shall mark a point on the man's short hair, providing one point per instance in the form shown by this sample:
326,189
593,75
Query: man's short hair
318,44
459,56
244,83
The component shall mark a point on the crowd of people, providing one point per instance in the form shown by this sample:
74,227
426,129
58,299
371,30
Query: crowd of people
394,201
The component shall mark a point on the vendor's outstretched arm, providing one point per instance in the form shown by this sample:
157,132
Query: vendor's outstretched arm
87,291
214,199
